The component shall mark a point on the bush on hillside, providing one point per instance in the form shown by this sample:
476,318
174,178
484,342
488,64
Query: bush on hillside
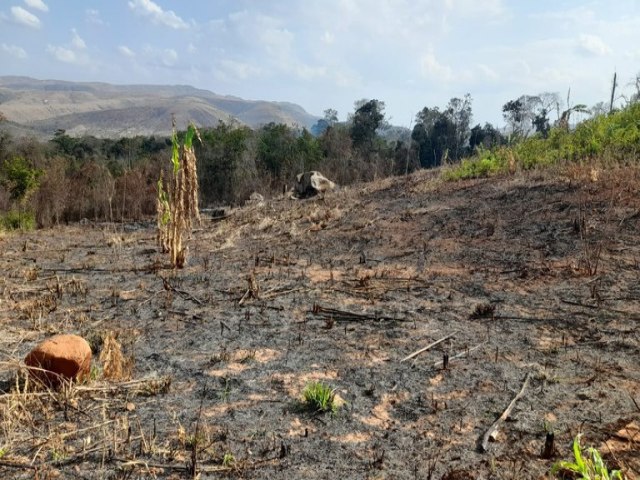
606,138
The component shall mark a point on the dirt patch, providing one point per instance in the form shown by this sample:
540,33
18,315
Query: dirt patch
344,288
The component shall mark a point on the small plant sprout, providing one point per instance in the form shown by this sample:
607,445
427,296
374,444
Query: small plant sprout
228,460
590,467
319,398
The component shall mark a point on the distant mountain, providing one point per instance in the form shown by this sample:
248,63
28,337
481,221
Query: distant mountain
40,107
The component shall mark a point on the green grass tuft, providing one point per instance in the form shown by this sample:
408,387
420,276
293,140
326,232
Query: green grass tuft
319,398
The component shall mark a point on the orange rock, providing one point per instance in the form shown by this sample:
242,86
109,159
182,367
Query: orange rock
61,356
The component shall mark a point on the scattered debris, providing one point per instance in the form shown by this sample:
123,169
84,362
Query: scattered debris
255,199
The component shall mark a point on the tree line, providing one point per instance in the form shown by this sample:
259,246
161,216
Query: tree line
67,178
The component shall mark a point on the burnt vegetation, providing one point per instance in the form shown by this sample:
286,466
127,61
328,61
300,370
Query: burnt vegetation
429,323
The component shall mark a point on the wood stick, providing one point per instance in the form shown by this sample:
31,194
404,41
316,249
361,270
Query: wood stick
578,304
459,355
187,296
277,293
431,345
246,294
345,316
484,444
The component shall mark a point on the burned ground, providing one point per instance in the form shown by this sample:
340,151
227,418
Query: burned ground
528,274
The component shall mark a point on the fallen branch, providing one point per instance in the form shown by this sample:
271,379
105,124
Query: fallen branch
202,468
276,293
186,295
431,345
578,304
460,355
24,466
491,432
346,316
600,307
194,316
147,385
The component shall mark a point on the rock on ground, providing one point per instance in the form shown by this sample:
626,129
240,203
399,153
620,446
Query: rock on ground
60,357
311,183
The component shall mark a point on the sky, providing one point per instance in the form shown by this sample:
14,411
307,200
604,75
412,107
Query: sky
325,54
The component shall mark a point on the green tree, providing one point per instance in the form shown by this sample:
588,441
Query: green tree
308,151
329,120
20,177
277,150
530,113
369,115
221,158
486,136
459,113
435,134
63,143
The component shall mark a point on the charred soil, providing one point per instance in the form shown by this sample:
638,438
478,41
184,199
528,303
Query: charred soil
530,276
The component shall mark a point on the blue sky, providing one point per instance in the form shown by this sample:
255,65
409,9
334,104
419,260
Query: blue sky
329,53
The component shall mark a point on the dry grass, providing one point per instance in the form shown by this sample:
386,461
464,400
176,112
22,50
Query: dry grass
178,208
243,364
115,366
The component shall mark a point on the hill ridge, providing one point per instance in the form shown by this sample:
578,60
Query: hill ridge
106,110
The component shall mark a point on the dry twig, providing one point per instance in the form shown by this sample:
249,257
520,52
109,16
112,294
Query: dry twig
431,345
491,432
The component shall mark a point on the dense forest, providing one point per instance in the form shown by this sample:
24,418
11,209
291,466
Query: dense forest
67,179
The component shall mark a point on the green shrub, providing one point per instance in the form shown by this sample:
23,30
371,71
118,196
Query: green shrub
16,220
20,177
534,152
604,137
483,164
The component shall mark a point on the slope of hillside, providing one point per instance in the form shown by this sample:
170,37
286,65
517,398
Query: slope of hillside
105,110
532,276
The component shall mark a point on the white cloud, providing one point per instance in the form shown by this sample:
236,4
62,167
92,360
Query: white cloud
432,69
488,72
126,51
488,8
277,42
328,38
93,16
14,51
62,54
168,18
20,15
231,69
157,57
581,15
592,45
169,57
77,41
307,72
37,5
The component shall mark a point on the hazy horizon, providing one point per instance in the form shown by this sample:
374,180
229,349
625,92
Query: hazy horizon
329,54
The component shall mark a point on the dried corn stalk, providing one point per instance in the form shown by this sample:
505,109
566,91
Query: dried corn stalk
177,208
